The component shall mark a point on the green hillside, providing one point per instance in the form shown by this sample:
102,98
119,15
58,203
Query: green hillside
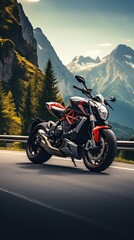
10,28
22,83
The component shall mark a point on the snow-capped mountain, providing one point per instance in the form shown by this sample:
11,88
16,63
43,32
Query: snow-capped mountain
81,63
112,76
45,51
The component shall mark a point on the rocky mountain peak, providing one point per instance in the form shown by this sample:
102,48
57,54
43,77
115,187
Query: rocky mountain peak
10,28
8,59
28,35
18,55
46,51
38,30
122,53
113,76
81,60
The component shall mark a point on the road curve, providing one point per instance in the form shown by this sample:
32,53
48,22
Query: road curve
55,200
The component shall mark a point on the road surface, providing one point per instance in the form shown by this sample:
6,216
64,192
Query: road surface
55,200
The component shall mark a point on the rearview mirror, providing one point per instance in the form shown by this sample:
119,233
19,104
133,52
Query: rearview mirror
80,79
112,99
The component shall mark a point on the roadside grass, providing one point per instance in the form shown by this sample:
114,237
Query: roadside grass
13,147
120,159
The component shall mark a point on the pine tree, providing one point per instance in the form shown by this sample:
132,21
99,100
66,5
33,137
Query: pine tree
50,92
29,106
12,119
51,89
3,113
35,86
10,123
25,110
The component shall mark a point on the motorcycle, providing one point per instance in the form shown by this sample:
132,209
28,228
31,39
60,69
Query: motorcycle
82,132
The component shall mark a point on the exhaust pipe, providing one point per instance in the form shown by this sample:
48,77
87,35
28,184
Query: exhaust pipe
47,145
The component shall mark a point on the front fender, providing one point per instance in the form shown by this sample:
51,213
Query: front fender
96,131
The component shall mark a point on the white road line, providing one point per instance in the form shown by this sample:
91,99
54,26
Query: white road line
13,152
64,159
122,168
65,212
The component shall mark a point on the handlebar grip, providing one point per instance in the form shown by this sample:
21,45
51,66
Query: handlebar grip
83,91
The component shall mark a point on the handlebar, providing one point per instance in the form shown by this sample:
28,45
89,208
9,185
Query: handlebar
107,104
86,92
77,88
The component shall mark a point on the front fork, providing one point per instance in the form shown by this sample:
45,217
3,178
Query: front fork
95,135
95,129
92,122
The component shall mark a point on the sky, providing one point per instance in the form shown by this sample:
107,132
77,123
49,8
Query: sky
83,27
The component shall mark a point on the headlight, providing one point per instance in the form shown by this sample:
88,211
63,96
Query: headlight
103,112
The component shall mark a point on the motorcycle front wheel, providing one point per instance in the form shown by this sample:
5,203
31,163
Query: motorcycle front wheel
35,152
99,159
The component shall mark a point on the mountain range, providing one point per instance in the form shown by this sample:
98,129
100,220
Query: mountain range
111,76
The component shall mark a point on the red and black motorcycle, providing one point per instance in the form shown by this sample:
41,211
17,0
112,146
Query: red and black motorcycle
82,132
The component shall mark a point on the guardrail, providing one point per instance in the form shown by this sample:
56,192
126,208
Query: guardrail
121,145
13,138
125,145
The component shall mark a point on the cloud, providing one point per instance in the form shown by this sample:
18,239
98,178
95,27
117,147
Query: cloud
127,40
29,1
33,0
105,44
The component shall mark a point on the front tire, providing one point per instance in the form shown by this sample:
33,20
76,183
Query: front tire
101,159
35,152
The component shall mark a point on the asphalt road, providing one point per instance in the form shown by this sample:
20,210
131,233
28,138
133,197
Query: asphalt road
55,200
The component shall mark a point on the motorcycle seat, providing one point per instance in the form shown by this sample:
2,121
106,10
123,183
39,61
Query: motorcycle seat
57,110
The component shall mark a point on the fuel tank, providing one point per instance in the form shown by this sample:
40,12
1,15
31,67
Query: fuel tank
79,104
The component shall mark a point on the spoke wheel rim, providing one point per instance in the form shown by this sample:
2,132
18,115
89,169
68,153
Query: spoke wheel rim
95,159
35,147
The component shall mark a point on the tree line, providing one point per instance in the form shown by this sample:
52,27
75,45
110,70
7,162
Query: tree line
26,100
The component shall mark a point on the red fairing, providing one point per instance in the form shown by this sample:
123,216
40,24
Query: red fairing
96,132
54,104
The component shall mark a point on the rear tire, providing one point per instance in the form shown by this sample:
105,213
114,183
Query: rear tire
35,152
107,148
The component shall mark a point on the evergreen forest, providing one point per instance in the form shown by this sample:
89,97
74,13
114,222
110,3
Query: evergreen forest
26,100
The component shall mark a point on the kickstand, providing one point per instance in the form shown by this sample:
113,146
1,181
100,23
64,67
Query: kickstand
73,161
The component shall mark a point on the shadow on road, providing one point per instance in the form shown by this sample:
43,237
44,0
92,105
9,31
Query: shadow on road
50,169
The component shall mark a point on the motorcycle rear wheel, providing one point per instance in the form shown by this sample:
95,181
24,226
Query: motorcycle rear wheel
35,152
102,159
